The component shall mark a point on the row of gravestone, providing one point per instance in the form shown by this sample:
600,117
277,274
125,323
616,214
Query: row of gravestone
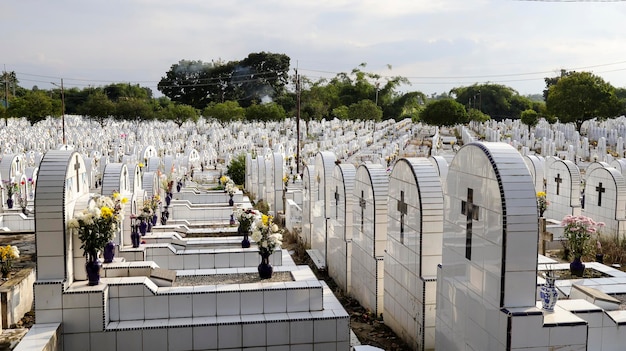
416,254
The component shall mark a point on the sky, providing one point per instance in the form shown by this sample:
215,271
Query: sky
436,44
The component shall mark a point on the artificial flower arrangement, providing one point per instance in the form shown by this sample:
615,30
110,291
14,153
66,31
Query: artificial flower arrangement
246,218
153,202
578,231
542,202
12,188
285,179
231,188
8,253
225,179
267,235
98,223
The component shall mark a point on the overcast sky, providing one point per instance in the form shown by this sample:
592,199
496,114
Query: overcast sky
437,44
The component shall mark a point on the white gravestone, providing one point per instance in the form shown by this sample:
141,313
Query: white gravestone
369,230
535,165
309,194
486,284
562,189
340,225
324,165
605,200
415,236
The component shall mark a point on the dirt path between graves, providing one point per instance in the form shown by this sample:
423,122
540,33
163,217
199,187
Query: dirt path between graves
368,329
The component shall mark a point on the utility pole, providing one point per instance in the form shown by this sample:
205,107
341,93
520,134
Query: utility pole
62,107
5,76
297,122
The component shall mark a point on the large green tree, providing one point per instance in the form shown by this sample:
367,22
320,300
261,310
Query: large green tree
581,96
365,110
35,106
98,107
265,112
444,112
179,114
496,100
225,111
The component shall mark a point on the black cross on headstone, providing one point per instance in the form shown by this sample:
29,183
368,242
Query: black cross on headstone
558,181
125,175
362,205
600,190
403,208
471,214
337,202
77,167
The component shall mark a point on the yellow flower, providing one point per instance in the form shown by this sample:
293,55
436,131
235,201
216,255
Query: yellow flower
116,195
541,194
106,212
264,219
124,200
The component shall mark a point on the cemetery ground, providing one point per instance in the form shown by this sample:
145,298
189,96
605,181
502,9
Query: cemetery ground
368,329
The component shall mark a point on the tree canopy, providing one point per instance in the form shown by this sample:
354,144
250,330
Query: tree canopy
581,96
444,112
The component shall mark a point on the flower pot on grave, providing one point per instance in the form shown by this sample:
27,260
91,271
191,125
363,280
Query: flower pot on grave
231,202
245,243
134,237
143,227
600,258
577,267
548,293
265,268
232,219
10,203
179,185
155,218
149,229
109,252
168,199
93,267
164,216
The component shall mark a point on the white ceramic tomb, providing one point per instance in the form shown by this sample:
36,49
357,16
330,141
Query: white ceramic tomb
562,189
369,228
605,200
414,241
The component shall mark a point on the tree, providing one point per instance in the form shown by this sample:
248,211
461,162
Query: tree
98,107
581,96
475,115
497,101
365,110
530,118
444,112
133,110
188,82
265,112
236,169
261,76
225,111
35,106
552,81
179,114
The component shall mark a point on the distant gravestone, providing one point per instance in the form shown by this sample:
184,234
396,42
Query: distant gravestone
369,235
605,199
563,189
413,251
535,166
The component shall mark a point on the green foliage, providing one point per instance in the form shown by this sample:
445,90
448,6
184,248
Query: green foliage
341,112
133,109
262,207
475,115
98,107
444,112
179,114
236,170
495,100
265,112
225,111
530,118
365,110
35,106
581,96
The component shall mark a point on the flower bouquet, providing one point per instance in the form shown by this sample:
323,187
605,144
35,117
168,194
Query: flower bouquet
246,218
578,231
8,253
268,237
542,202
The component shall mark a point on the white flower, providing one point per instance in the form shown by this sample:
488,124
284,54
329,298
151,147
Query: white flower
73,223
15,252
